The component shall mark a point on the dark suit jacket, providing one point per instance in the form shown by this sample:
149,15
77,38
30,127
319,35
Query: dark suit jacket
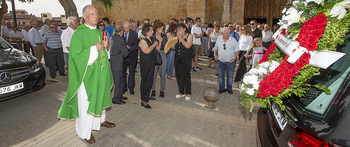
118,52
133,43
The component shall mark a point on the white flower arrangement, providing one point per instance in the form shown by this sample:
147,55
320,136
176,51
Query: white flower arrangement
339,9
254,76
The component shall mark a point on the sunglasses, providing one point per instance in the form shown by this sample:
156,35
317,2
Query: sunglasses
242,29
252,23
52,27
199,21
102,25
224,46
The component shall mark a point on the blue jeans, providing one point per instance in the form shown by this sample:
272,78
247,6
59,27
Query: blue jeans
170,64
229,68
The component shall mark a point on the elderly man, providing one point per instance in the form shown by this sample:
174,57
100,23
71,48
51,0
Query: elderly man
226,51
36,41
26,43
134,27
72,23
118,52
5,31
53,46
90,78
16,36
131,20
267,36
131,40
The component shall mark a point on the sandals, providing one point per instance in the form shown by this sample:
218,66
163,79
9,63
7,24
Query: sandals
169,77
209,66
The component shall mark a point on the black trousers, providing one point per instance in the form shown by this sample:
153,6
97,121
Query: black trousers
55,58
183,74
147,75
242,67
118,79
28,47
129,81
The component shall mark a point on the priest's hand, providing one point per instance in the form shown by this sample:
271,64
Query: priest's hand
105,44
99,46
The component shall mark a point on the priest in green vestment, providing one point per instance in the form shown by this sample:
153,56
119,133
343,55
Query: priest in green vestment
89,80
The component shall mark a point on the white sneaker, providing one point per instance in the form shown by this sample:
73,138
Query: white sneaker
179,96
187,98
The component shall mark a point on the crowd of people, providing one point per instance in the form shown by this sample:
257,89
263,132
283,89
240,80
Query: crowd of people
100,54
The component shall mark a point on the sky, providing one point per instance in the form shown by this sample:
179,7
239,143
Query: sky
43,6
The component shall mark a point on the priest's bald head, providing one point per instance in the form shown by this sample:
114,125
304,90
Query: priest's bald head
90,15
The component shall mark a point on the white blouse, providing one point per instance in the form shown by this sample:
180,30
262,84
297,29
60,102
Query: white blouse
245,42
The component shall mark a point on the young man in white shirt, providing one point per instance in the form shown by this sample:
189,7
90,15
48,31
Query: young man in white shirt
226,52
197,33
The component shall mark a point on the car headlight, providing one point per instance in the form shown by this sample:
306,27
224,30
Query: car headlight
35,67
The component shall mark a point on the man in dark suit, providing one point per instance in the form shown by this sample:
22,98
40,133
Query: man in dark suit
131,40
118,52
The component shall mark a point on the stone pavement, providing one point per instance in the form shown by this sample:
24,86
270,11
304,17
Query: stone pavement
171,122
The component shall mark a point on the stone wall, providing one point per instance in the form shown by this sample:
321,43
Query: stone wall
208,10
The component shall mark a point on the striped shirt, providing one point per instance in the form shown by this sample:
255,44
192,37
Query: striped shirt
53,40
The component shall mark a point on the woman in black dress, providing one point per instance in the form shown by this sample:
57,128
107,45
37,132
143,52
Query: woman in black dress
147,63
182,61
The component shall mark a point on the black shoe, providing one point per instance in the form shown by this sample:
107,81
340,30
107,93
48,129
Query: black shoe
124,98
198,68
52,77
193,70
161,94
152,98
153,94
229,91
125,91
63,75
221,91
146,106
216,74
120,102
132,92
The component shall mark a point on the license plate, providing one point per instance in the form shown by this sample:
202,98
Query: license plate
279,117
11,88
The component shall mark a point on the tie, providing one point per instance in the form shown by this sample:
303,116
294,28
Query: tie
126,36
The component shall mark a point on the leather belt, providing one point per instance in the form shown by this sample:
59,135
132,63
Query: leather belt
38,43
54,48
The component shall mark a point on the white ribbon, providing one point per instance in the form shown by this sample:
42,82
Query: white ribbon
322,59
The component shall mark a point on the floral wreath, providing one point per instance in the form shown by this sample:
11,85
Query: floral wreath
311,26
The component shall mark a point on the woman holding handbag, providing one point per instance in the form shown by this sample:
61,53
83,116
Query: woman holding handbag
182,61
147,62
158,28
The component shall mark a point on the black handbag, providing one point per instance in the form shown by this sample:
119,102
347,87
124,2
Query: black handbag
159,60
193,51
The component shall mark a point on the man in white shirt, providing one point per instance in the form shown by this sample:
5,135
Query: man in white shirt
5,31
72,23
25,39
226,51
45,28
267,36
197,33
35,41
16,37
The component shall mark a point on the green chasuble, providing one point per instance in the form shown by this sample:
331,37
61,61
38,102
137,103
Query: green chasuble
97,78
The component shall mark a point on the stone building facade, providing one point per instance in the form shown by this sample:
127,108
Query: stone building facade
225,11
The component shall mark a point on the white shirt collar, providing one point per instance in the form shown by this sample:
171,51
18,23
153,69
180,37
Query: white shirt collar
94,27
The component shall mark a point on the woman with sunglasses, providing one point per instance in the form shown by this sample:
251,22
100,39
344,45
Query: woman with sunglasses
212,39
101,26
245,42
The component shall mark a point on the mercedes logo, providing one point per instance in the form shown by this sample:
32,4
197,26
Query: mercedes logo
5,77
